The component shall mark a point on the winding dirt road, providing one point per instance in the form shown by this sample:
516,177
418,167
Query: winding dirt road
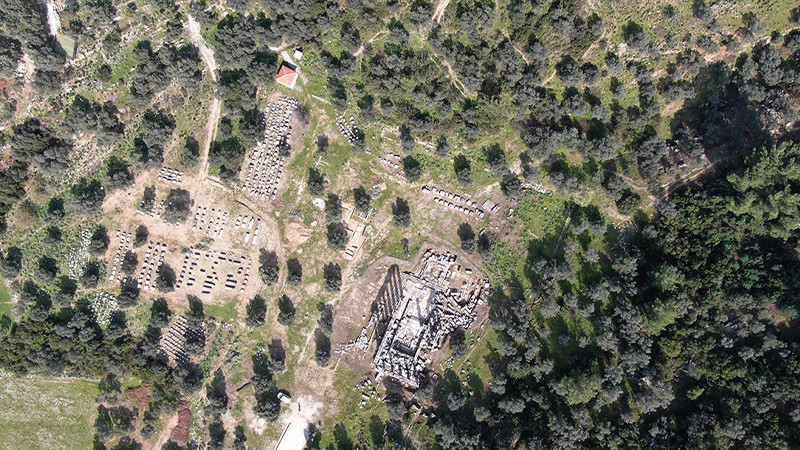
216,104
205,52
211,133
166,432
439,12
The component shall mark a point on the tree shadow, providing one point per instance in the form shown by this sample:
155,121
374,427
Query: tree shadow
261,364
721,115
341,438
553,349
376,430
476,384
5,322
276,350
543,248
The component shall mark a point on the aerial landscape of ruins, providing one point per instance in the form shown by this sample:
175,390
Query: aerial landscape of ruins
337,224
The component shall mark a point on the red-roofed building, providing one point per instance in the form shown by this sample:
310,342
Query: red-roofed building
287,75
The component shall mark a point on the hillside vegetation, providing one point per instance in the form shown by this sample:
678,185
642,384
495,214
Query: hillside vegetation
643,158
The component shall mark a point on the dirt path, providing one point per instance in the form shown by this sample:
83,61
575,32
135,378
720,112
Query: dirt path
439,11
216,105
520,52
633,183
205,52
710,167
165,433
452,74
297,420
547,80
211,133
377,35
594,44
614,214
487,190
514,44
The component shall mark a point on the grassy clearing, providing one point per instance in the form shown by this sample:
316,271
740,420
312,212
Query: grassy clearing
52,413
537,217
224,313
5,300
474,369
542,216
367,421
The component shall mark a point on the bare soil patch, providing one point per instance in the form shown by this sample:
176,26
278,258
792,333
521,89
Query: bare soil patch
181,431
120,213
140,394
296,234
166,433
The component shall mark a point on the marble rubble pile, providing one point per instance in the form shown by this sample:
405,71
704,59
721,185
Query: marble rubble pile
79,256
212,222
168,175
266,165
457,202
349,130
125,242
103,305
420,311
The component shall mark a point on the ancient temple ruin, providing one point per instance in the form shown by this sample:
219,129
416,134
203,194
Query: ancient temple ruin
417,311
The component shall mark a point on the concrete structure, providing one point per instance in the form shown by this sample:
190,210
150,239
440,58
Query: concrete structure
356,231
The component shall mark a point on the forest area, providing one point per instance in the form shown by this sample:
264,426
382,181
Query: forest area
659,310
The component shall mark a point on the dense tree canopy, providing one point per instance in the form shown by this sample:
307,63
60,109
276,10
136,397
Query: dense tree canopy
177,206
286,310
294,271
333,277
401,212
256,311
642,261
88,195
768,191
337,236
316,182
268,267
362,200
